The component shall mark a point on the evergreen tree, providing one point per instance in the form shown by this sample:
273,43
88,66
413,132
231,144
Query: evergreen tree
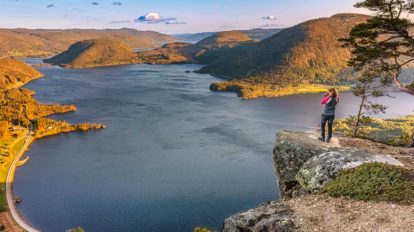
383,43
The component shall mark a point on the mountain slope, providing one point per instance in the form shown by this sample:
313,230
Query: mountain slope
255,34
306,53
260,33
15,73
94,53
45,42
201,52
224,39
172,53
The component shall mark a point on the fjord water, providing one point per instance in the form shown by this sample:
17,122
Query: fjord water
174,155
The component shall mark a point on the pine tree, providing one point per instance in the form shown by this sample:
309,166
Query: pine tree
383,43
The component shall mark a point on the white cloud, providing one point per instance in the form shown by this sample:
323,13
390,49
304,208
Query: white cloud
119,21
271,25
154,18
269,17
174,22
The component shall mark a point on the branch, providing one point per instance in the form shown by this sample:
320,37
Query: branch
401,86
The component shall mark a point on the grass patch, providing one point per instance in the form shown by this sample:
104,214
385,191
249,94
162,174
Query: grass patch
248,90
77,229
374,182
201,229
394,131
3,201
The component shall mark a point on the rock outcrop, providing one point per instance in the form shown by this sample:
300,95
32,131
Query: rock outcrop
291,151
303,165
321,169
273,216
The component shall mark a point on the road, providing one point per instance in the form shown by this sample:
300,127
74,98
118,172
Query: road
9,186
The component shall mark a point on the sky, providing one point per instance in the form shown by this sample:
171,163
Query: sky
167,16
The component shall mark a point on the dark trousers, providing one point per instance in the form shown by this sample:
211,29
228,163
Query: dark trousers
330,120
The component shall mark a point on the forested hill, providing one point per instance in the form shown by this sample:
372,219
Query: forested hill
47,42
306,53
95,53
15,73
202,52
255,34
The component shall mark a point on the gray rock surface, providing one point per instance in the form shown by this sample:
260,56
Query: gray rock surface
321,169
291,151
302,165
273,216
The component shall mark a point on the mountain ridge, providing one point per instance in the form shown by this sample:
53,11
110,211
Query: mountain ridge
305,53
23,42
94,53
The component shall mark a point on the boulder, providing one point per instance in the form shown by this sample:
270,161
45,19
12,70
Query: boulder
290,153
303,164
273,216
321,169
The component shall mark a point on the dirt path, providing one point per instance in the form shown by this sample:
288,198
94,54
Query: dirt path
9,187
324,213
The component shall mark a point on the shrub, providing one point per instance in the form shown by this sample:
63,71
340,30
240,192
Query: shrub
374,182
394,131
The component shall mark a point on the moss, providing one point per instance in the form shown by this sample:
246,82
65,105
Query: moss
200,229
77,229
3,202
394,131
374,182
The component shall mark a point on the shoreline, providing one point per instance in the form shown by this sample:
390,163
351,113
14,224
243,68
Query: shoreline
248,91
12,210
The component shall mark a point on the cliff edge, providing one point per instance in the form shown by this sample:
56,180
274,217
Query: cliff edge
304,166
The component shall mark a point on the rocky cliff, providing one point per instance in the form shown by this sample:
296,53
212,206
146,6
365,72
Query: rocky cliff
303,165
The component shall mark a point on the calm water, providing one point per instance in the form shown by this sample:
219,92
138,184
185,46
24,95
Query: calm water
174,155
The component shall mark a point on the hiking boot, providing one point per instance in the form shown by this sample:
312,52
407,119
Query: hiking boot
322,138
328,139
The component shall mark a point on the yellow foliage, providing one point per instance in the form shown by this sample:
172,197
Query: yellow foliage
247,90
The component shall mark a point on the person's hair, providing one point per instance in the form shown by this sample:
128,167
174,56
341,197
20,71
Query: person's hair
333,91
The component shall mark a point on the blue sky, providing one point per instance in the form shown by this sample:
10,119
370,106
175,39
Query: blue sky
167,16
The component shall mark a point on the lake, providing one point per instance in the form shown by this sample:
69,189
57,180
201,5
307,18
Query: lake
173,156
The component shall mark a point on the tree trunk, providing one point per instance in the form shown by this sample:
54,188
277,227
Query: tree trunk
408,90
358,119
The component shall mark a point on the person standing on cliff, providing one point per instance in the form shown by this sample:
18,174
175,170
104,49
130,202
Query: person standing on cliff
330,100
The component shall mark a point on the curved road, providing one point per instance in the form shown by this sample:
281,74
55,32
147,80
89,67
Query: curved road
9,186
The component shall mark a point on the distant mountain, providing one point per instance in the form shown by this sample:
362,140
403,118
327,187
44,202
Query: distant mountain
306,53
200,52
255,34
45,42
172,53
261,34
192,38
95,53
15,73
227,39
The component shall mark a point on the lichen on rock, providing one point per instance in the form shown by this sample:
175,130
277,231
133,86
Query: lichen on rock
321,169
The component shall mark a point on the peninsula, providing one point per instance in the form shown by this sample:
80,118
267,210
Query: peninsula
305,58
23,119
